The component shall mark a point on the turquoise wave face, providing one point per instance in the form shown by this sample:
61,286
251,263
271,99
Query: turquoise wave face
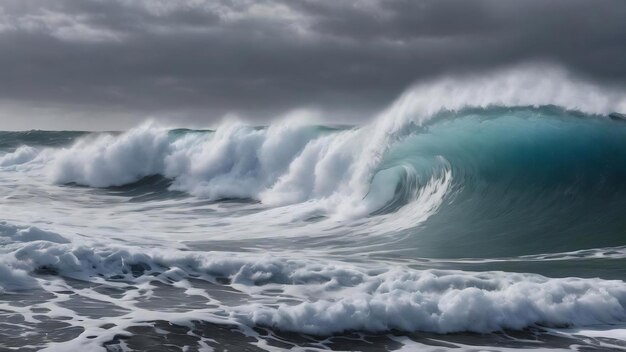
525,181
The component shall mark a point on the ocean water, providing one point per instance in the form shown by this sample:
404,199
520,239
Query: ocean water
486,213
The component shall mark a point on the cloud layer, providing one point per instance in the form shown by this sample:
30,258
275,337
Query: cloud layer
106,64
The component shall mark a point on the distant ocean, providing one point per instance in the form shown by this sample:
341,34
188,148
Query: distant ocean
484,214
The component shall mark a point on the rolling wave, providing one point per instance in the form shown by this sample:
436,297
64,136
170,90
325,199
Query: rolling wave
523,155
485,178
325,230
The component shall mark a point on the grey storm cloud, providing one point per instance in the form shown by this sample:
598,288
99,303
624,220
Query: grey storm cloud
199,60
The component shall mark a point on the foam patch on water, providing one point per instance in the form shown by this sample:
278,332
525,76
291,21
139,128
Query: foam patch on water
328,296
10,233
448,302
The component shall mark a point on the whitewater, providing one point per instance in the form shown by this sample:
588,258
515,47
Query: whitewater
476,212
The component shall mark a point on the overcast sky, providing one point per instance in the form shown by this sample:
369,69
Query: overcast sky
108,64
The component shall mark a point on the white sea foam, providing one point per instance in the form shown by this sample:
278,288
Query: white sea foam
238,160
286,163
107,160
16,278
449,302
12,279
329,296
11,233
21,155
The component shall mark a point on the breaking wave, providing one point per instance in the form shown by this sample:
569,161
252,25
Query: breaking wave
359,171
520,166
